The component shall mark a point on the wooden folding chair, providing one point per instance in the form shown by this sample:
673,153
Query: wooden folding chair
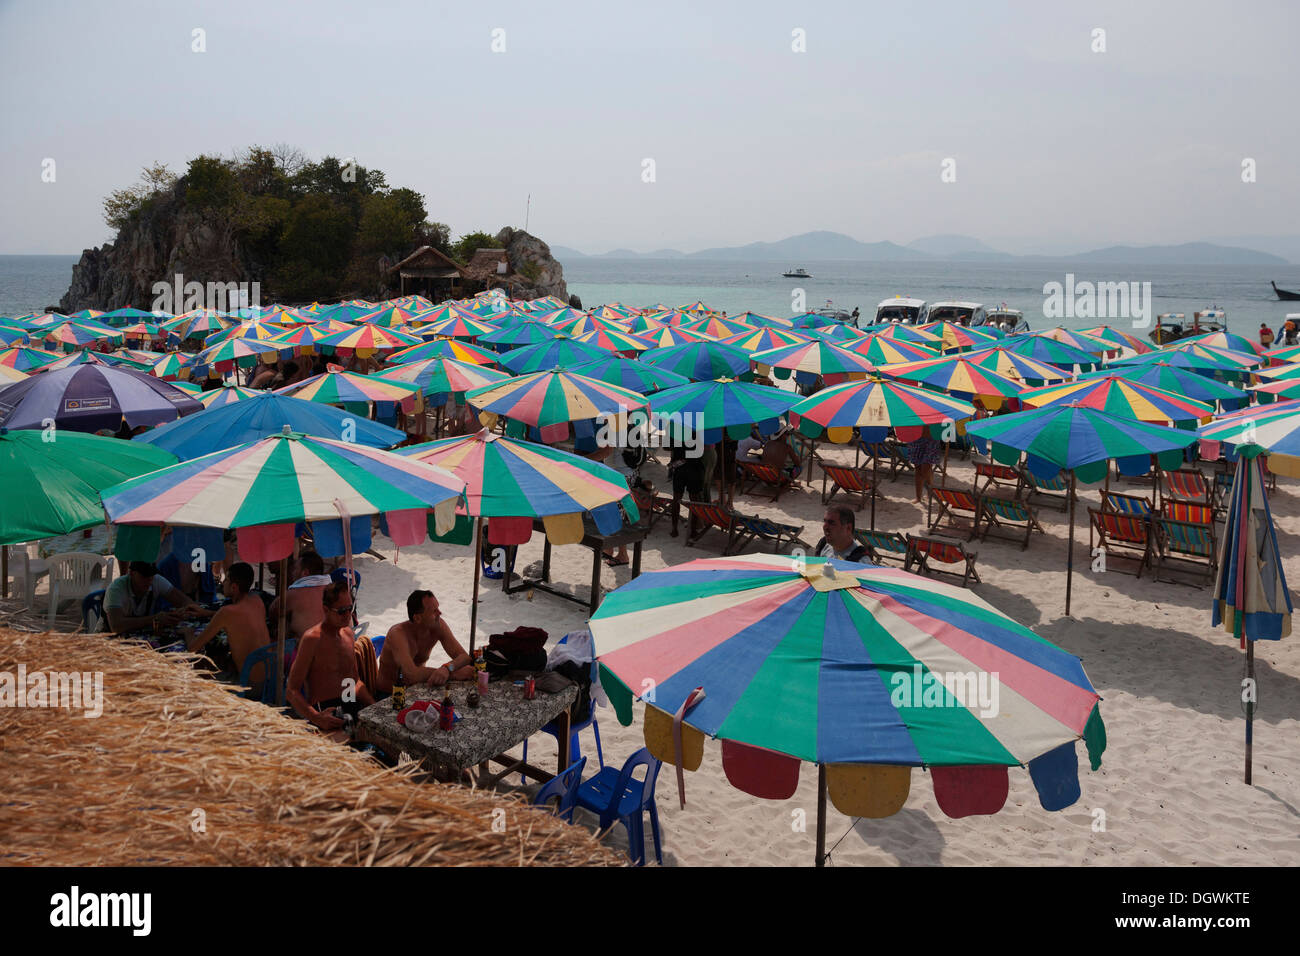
661,506
852,481
1183,545
1129,533
750,528
888,456
924,549
958,509
883,546
755,473
1186,484
1053,491
708,516
1113,501
995,475
1010,514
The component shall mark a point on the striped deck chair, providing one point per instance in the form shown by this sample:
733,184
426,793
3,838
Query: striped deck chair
1188,512
707,516
924,549
889,455
1185,546
994,475
852,481
755,473
750,528
661,506
1186,484
1121,533
1113,501
958,509
883,545
1010,514
1053,491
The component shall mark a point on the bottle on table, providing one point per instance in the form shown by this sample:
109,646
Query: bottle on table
448,715
480,671
399,691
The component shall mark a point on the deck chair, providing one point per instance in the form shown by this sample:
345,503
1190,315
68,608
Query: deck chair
994,475
1188,512
707,516
1123,533
1117,503
889,456
1053,491
852,481
1185,546
957,509
749,528
755,473
883,545
1186,484
924,549
1010,514
661,506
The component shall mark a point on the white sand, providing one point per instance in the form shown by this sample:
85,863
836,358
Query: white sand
1170,787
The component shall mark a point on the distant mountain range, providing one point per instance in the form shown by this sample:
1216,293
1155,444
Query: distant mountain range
814,246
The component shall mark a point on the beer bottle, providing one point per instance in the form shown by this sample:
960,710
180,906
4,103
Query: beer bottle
399,692
448,716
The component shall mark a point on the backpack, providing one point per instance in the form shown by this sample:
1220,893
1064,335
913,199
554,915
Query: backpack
523,649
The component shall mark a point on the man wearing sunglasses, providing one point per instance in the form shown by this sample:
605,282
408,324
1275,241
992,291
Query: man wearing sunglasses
325,665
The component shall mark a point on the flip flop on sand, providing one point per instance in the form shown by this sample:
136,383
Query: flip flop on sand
609,560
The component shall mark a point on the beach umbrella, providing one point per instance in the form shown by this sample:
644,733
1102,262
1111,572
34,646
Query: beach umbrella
759,340
880,350
252,329
461,326
1274,428
1116,337
1220,365
257,415
718,328
1280,373
140,330
87,398
46,320
873,407
355,391
52,487
1123,397
1227,358
86,357
1014,365
810,360
1168,378
445,348
10,375
700,361
838,333
389,317
344,312
189,388
813,320
1092,344
1050,351
200,323
75,335
719,406
550,400
960,378
441,378
233,353
1281,390
511,479
525,333
1082,441
865,671
565,315
559,352
25,359
365,341
614,311
301,339
577,323
126,316
1285,353
670,335
761,321
227,394
275,483
644,323
1229,341
673,317
908,333
612,340
959,338
11,335
631,374
173,365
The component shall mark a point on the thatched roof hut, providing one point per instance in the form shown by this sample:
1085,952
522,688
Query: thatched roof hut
178,770
427,271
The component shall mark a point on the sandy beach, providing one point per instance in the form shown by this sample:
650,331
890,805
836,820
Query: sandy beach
1169,791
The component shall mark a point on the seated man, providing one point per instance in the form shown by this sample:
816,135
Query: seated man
409,644
779,456
243,619
130,602
324,672
304,608
837,540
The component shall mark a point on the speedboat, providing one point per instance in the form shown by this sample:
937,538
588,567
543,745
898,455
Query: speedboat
900,309
797,274
1010,321
1172,326
958,313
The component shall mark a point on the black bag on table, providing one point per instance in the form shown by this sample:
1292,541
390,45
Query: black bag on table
523,649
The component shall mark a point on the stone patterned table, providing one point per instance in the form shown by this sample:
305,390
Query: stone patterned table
483,734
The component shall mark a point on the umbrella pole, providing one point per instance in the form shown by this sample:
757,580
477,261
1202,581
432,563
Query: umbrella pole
1250,705
1069,561
478,564
4,571
279,637
821,815
875,484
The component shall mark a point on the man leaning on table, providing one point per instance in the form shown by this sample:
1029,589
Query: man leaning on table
130,602
409,645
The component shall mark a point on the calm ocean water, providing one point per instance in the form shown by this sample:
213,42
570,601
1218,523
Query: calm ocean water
32,282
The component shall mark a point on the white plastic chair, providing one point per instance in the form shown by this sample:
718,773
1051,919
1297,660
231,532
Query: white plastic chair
26,568
74,575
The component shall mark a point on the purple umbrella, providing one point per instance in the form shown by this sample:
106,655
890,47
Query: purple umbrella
87,398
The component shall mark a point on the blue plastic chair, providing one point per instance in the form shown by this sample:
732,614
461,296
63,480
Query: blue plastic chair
93,603
565,788
617,795
575,747
265,655
378,644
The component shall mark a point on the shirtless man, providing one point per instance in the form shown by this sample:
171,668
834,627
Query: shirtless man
243,619
409,644
326,664
304,610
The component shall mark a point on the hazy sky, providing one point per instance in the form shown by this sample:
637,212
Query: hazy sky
1055,145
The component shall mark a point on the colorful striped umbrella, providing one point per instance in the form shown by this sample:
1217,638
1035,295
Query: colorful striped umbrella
365,341
1210,365
75,335
200,323
355,391
1117,337
718,406
1092,344
628,373
810,360
960,378
669,335
1082,441
12,335
578,324
525,333
1228,358
255,415
1051,352
813,320
173,365
1229,341
907,333
879,349
559,352
673,317
141,330
227,394
567,315
1284,353
10,375
118,317
461,326
1167,378
389,317
547,400
233,353
1014,365
718,328
643,324
301,339
1281,390
87,357
865,671
26,359
440,378
959,338
1122,397
758,340
614,311
612,340
189,388
445,348
760,321
87,398
839,333
1274,428
700,361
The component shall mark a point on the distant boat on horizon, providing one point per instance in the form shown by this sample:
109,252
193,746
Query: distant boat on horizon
1284,295
797,274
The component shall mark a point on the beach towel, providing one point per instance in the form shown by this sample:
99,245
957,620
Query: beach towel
367,662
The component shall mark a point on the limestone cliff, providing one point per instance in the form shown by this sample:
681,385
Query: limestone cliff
531,262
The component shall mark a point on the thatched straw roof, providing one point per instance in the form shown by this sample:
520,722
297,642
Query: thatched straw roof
123,788
483,266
